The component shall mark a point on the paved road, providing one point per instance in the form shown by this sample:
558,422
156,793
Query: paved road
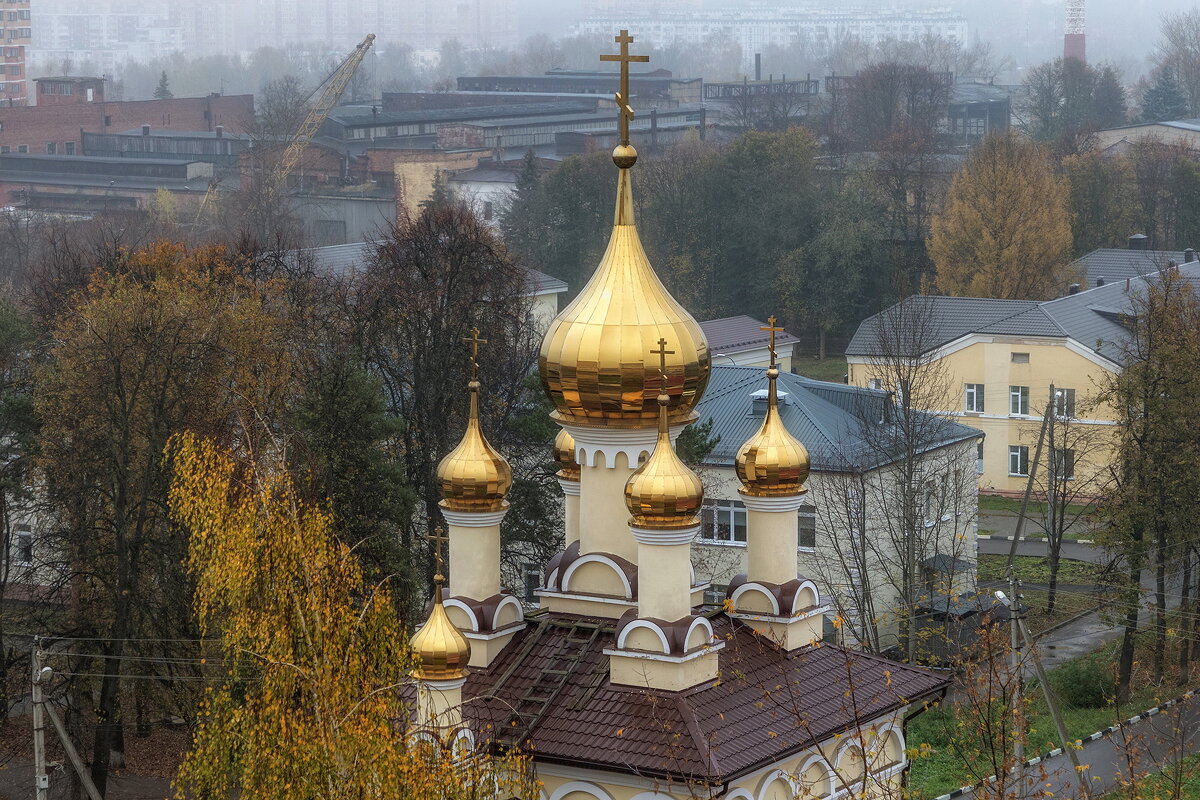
1040,548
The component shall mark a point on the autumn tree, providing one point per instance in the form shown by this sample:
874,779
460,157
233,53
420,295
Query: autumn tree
310,700
1154,494
1004,232
168,340
1179,49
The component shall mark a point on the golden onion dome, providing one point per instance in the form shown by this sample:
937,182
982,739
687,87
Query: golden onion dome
473,476
441,649
772,462
564,454
593,361
663,493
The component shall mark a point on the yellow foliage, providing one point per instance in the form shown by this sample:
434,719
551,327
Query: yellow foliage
315,703
1005,230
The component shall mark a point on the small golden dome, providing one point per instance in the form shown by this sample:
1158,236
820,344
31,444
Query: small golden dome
663,494
441,648
593,362
772,462
564,454
473,476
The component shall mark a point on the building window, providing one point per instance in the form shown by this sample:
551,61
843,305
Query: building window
724,521
874,383
532,574
974,397
979,458
1063,463
5,149
70,148
51,148
807,527
1018,400
487,210
1020,358
22,148
1018,459
1064,403
24,545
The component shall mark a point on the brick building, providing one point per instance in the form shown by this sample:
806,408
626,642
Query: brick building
57,128
15,35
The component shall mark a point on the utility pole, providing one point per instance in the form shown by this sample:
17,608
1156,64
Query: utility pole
1068,744
1037,458
41,781
1014,660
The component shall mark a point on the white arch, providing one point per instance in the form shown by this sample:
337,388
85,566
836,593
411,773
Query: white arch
805,586
699,622
818,759
508,600
662,796
466,609
888,728
746,587
597,558
736,794
771,777
650,626
580,786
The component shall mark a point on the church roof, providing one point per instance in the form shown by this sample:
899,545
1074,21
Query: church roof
767,704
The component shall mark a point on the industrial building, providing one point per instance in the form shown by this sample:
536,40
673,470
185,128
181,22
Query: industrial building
646,89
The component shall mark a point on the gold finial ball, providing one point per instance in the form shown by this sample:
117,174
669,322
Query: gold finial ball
564,454
624,156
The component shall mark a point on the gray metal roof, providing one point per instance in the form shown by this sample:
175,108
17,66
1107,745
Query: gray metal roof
356,115
978,93
731,334
1118,263
1094,318
346,259
839,424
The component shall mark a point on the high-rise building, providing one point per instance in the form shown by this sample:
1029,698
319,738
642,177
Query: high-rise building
15,29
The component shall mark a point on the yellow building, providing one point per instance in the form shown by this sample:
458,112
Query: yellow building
991,364
623,685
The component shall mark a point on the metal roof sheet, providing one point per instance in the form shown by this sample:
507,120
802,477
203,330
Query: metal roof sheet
731,334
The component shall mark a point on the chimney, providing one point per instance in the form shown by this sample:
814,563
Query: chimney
1073,289
1100,281
1139,241
1189,255
220,131
145,130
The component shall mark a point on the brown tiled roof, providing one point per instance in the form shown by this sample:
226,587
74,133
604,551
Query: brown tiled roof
766,705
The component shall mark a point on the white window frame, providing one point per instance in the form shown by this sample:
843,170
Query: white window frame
1018,401
809,514
711,520
1064,403
1059,454
1021,453
973,399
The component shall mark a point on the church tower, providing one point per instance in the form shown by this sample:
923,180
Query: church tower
442,653
773,466
598,368
475,480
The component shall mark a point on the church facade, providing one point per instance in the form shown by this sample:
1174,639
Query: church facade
623,685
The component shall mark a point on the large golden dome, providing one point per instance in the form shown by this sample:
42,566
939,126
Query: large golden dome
663,493
442,650
473,476
595,362
772,462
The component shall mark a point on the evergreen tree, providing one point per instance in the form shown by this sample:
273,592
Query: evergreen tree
1109,104
1165,99
163,90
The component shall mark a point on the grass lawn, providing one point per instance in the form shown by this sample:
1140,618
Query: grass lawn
1034,569
1181,779
833,368
944,770
992,502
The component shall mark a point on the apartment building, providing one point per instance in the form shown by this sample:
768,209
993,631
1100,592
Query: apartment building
15,33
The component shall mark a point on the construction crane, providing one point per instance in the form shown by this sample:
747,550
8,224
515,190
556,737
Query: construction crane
322,101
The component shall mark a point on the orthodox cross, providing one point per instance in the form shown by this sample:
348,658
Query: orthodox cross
773,330
625,110
438,538
662,352
475,341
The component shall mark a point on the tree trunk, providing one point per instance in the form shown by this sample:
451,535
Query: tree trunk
821,336
1125,663
1160,603
1185,608
1052,589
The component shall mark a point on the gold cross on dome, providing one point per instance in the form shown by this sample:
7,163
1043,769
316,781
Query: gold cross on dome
662,352
438,538
624,110
773,330
474,341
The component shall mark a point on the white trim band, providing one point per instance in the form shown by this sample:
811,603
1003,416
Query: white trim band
788,503
569,486
444,686
633,442
474,519
664,538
